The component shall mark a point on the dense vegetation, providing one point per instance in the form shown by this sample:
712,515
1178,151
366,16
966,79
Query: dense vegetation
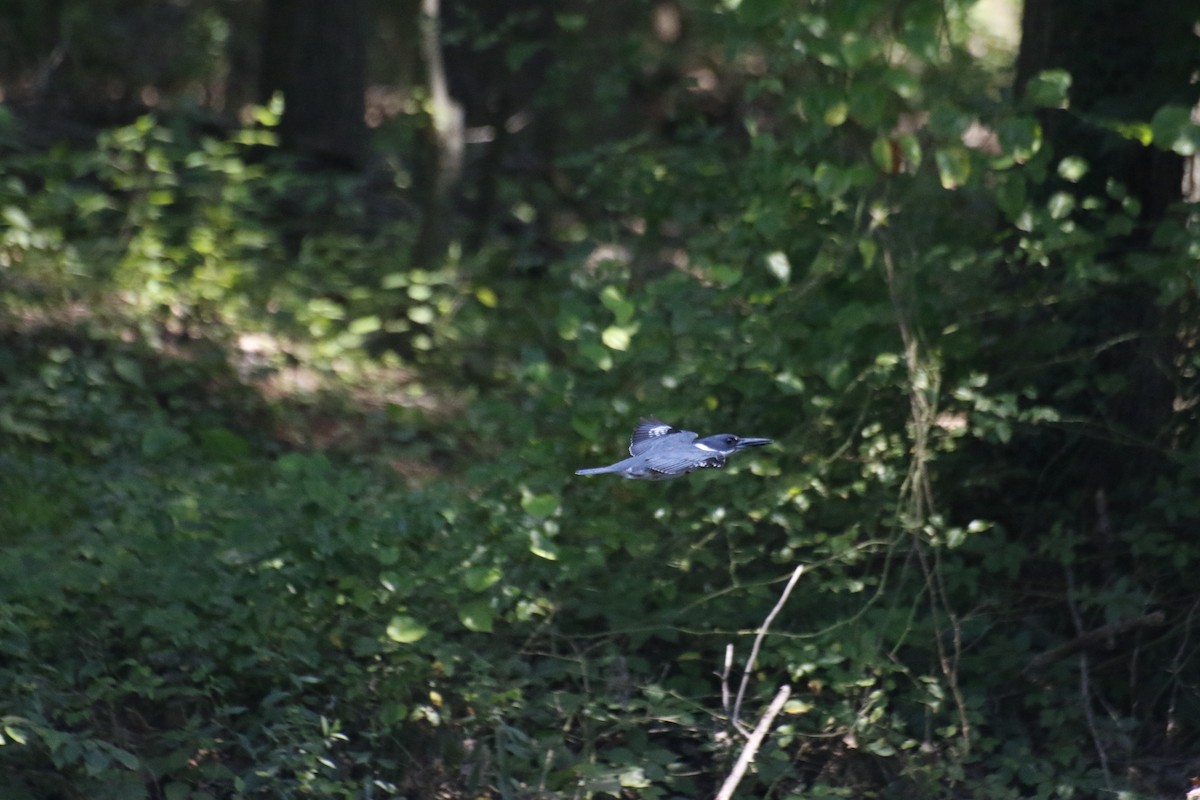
285,515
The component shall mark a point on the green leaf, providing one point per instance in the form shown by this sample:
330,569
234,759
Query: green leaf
125,758
600,357
1139,132
954,166
1060,205
910,148
779,265
539,505
1072,168
1020,138
480,577
129,370
836,114
486,297
1010,192
422,315
476,616
885,155
16,218
724,274
223,445
1172,129
405,630
868,249
365,325
615,302
1049,88
541,546
616,337
634,778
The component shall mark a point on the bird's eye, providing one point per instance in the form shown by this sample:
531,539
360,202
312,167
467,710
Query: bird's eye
731,440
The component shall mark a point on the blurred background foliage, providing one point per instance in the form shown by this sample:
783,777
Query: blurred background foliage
308,315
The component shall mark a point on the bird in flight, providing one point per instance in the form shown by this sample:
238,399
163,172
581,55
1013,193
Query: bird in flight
658,451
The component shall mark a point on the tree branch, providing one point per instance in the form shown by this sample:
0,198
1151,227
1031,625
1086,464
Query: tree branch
758,640
755,740
1089,638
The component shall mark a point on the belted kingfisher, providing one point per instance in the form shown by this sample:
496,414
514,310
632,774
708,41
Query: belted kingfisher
658,451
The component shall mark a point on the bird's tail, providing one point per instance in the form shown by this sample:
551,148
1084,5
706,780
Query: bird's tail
594,471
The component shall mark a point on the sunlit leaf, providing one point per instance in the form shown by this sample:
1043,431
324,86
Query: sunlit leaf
405,630
486,297
616,337
541,546
1072,168
779,265
422,315
634,778
836,114
615,302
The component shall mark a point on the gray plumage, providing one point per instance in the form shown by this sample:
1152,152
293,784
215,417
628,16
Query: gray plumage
658,451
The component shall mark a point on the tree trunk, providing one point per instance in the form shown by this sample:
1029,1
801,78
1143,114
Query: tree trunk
314,52
445,146
1127,58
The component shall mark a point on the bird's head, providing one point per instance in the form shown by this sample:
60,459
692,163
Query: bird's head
727,443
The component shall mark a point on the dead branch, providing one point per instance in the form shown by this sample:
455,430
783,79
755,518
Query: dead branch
1089,638
758,640
753,743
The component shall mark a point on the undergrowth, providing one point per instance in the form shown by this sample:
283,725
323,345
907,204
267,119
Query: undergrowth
281,517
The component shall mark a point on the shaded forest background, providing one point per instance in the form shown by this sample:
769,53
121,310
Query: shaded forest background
309,311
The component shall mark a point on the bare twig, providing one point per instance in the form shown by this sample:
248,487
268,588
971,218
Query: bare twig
760,731
725,680
758,640
1085,693
1085,690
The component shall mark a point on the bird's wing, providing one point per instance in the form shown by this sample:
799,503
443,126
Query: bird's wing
652,430
681,464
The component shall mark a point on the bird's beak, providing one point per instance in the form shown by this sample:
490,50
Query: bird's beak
751,442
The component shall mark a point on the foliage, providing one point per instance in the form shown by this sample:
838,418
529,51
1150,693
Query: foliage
216,580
